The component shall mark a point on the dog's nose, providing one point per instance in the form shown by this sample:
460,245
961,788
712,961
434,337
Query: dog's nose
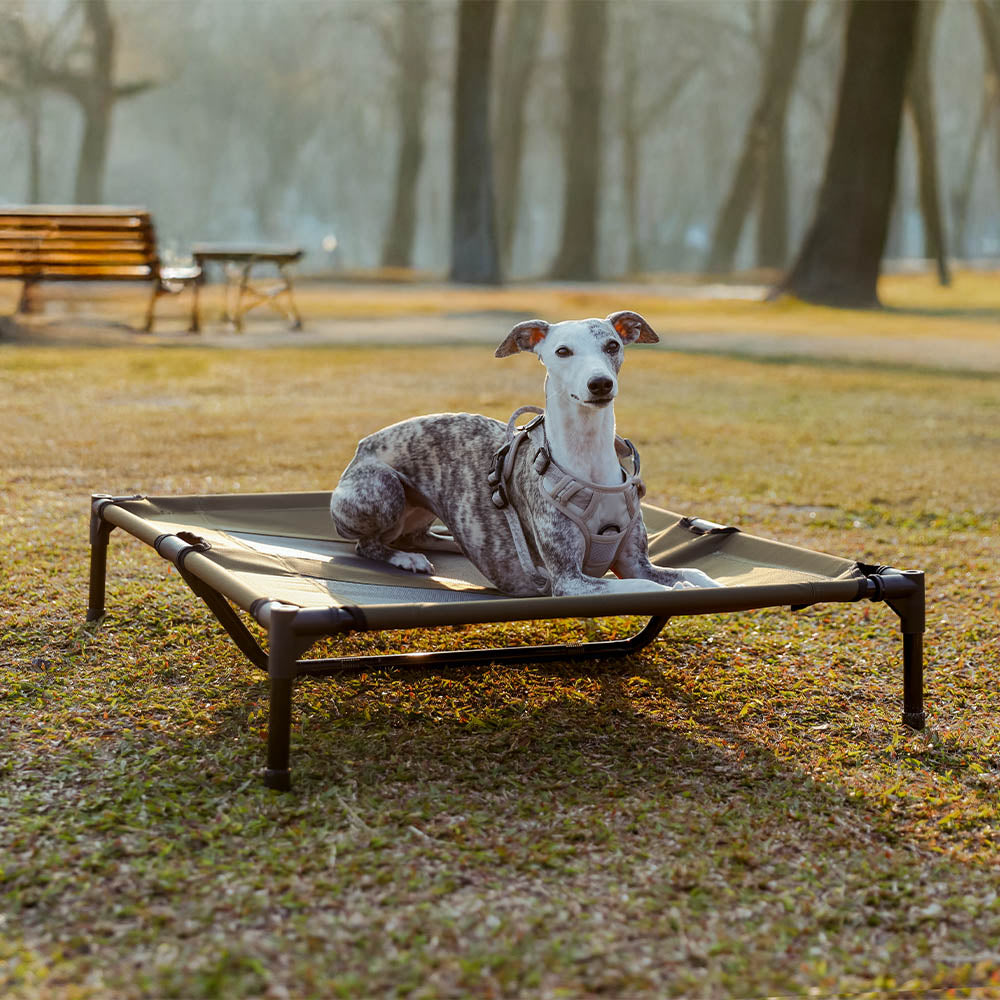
600,385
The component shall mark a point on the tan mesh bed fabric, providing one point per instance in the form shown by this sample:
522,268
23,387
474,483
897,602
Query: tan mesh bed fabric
283,547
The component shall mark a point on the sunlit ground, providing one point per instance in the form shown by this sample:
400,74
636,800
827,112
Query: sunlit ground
734,812
915,305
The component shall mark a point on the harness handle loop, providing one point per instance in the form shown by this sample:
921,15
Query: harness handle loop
511,424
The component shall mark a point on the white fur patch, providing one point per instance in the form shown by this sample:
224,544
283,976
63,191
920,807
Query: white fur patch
695,578
632,586
415,562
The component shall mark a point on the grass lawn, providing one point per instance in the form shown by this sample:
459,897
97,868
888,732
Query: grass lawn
735,812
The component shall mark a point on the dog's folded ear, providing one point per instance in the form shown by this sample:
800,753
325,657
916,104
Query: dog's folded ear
632,328
524,337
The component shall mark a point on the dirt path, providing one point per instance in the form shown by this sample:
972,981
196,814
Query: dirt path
965,345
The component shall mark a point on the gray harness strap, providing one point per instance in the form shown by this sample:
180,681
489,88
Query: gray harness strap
604,514
499,477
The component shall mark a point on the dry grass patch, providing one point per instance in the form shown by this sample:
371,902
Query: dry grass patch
735,812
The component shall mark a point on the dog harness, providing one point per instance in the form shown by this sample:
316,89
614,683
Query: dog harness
604,514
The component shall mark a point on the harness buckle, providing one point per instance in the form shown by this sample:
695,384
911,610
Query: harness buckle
541,460
635,456
495,477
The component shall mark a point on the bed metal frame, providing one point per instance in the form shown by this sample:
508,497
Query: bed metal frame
292,631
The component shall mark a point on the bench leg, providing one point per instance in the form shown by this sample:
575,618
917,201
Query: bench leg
157,292
195,325
29,301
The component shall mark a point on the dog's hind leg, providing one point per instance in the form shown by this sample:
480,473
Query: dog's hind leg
369,504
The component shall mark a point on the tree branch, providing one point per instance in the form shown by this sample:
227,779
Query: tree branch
669,95
133,89
64,80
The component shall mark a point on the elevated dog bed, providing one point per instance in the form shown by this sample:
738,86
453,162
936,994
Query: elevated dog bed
276,558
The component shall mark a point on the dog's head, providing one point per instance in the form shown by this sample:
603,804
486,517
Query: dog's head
582,357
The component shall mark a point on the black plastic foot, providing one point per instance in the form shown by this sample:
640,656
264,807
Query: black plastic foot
280,781
915,720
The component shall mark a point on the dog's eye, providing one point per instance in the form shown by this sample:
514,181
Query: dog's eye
612,347
563,352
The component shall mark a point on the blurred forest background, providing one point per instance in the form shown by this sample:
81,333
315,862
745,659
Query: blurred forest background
700,129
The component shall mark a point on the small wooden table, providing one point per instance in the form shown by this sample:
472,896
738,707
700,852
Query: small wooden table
238,260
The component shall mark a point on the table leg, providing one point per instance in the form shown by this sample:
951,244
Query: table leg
294,317
195,325
240,294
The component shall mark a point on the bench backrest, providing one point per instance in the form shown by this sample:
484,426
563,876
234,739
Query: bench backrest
51,242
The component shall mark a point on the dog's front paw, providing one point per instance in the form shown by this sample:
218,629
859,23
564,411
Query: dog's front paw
695,578
415,562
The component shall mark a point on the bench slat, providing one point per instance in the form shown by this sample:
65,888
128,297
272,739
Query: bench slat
15,209
91,233
113,219
74,226
114,245
71,272
46,257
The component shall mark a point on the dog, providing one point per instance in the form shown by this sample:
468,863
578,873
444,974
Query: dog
544,509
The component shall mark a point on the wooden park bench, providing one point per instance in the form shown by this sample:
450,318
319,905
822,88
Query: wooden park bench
88,243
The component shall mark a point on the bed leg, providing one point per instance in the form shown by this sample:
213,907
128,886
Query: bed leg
281,659
100,532
913,681
279,726
912,621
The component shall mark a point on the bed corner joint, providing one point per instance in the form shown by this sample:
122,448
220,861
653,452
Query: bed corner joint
904,592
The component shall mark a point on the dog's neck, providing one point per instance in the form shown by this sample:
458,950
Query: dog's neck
582,438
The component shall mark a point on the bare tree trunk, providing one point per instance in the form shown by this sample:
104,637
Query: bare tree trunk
772,209
630,148
577,256
895,245
20,81
89,186
963,194
474,256
765,131
411,87
637,122
91,85
33,121
520,52
97,102
841,255
989,27
920,104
